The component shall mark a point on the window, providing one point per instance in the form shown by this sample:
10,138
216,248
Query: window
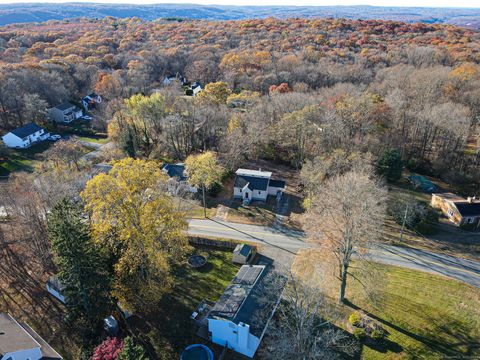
469,220
259,192
450,212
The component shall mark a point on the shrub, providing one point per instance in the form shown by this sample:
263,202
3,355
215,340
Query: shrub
359,334
108,349
355,319
377,334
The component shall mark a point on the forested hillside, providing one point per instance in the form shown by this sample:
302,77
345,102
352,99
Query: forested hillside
38,12
294,89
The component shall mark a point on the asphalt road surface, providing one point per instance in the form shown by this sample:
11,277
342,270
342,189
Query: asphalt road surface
292,241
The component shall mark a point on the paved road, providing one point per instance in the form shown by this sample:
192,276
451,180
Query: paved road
292,241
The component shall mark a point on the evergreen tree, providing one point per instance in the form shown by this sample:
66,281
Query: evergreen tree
82,269
390,165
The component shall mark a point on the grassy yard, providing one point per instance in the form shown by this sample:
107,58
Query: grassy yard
23,159
94,139
427,316
169,329
256,213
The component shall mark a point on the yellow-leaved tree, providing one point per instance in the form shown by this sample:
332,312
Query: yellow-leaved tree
203,171
136,222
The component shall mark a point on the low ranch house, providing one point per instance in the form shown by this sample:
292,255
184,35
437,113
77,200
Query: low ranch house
462,212
256,185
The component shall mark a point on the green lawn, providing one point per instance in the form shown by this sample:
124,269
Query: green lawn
23,159
427,316
169,329
93,139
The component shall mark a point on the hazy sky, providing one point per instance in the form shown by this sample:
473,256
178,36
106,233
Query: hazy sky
429,3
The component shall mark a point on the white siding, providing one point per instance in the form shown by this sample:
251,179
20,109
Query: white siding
28,354
13,141
273,190
238,337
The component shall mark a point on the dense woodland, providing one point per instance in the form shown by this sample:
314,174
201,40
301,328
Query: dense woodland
335,100
355,85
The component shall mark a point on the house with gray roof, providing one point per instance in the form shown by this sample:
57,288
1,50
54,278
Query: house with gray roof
65,113
234,320
25,136
256,185
18,341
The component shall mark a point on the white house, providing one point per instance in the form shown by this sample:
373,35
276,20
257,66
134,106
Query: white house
256,185
65,113
232,321
25,136
18,341
90,101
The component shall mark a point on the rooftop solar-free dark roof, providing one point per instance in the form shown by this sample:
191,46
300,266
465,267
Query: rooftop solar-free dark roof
254,183
468,209
175,170
277,183
26,130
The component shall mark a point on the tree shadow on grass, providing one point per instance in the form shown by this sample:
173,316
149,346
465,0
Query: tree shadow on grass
451,328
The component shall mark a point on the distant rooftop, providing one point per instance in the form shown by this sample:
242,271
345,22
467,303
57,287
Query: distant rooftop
65,106
255,173
175,171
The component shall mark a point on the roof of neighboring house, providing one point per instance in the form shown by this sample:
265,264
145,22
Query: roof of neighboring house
277,183
48,353
257,173
13,337
64,106
468,209
243,249
175,171
241,298
55,283
26,130
254,183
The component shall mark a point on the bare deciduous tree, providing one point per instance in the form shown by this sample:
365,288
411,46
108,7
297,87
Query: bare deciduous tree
344,218
302,326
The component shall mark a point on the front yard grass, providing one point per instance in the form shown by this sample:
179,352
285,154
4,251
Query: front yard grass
23,159
427,316
257,213
94,139
169,329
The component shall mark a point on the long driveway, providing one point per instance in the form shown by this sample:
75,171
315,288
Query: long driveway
292,241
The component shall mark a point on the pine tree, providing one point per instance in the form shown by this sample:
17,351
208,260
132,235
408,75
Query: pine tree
82,269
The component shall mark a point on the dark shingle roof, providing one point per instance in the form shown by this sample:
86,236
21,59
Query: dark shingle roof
277,183
26,130
254,183
175,170
468,209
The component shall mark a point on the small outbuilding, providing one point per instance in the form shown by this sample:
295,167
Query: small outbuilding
243,254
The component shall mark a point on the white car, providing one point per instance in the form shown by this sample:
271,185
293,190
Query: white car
87,117
54,137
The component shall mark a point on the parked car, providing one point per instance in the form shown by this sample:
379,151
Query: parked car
87,117
54,137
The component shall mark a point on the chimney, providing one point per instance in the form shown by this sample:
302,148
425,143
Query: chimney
259,169
470,199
